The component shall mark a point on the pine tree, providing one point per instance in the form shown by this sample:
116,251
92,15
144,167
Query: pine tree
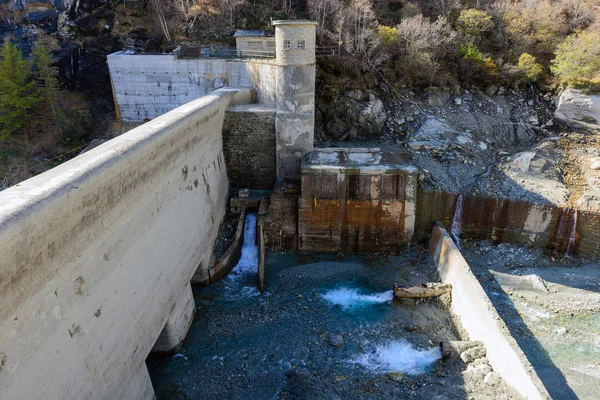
18,92
45,73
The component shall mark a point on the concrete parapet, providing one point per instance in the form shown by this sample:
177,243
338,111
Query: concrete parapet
97,252
481,320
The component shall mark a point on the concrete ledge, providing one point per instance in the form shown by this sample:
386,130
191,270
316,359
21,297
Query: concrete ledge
481,320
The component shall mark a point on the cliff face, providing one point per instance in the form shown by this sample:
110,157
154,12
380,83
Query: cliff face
80,33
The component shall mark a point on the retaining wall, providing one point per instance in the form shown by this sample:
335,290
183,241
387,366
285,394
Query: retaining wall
249,146
500,220
98,253
481,320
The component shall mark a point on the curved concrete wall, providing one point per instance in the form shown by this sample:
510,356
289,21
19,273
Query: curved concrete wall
97,255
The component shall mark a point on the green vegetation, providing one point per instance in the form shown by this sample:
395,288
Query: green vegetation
530,67
474,22
18,92
38,120
577,60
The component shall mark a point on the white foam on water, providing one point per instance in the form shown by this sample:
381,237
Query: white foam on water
248,263
239,277
399,356
350,298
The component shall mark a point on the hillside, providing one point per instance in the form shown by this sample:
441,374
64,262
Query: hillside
394,55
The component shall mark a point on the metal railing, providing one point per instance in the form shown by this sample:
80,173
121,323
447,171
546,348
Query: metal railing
328,51
192,52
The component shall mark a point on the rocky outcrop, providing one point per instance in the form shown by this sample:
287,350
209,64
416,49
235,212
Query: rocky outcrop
574,106
353,115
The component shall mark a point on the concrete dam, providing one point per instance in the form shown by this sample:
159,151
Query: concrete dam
99,252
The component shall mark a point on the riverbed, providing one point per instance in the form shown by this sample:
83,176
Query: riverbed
326,327
551,304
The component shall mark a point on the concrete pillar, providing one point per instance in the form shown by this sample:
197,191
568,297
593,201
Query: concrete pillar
139,386
177,326
295,43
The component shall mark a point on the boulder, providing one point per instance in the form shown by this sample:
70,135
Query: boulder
435,133
354,111
589,201
522,160
336,340
492,378
491,90
437,98
395,376
574,106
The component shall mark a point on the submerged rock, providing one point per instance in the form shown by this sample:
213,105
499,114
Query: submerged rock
336,340
395,376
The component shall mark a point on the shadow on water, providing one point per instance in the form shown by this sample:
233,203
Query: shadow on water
551,376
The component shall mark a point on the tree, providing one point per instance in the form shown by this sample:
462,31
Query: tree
45,73
530,67
18,92
577,59
159,8
322,11
474,22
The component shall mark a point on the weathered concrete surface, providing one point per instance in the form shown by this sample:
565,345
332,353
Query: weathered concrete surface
97,252
481,320
177,326
146,86
356,200
511,221
575,106
249,146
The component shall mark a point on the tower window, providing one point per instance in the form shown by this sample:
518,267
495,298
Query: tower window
300,44
287,45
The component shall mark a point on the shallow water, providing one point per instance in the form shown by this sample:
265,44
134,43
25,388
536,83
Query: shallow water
285,343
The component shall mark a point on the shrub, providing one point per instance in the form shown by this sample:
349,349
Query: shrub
535,27
577,61
409,10
529,66
419,33
388,35
474,22
471,52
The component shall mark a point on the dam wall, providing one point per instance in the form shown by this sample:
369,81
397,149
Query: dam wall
563,229
249,146
146,86
98,253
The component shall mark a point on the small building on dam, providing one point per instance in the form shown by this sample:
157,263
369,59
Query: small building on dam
99,252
